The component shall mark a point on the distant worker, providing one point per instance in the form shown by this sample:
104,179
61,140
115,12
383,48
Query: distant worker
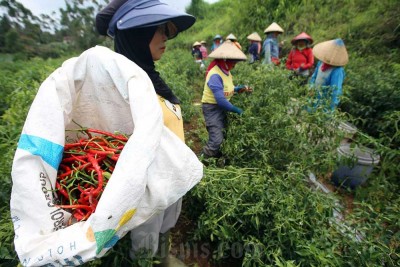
218,89
198,56
327,80
301,59
217,41
203,49
234,40
271,45
255,47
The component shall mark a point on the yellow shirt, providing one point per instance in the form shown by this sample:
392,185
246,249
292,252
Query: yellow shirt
208,96
172,117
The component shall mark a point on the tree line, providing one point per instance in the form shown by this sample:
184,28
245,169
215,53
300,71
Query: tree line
26,35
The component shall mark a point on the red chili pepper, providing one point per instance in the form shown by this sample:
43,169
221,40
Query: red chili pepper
118,137
64,167
79,217
62,190
73,158
99,152
85,170
96,166
86,216
76,206
72,145
102,142
115,157
65,174
112,149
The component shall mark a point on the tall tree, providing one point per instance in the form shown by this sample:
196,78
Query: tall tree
197,8
77,23
13,42
5,26
18,13
25,26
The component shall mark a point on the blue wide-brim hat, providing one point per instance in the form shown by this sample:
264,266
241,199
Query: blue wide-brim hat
146,13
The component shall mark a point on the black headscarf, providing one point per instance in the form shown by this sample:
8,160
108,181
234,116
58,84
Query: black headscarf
134,44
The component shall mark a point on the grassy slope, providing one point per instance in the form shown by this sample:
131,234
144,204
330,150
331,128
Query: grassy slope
366,26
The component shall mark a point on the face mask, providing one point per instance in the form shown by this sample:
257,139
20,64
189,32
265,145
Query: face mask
301,45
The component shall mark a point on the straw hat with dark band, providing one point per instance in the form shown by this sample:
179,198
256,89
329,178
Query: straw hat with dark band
146,13
196,44
332,52
302,36
231,37
228,50
254,37
274,27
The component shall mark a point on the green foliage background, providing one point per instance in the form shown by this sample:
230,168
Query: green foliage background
262,199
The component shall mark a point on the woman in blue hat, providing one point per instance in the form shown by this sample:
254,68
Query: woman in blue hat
217,41
141,29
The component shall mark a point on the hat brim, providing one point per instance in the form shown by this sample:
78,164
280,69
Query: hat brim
149,14
228,51
302,36
254,37
309,40
331,53
274,27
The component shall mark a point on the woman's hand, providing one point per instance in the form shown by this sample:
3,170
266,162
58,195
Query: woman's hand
243,89
248,89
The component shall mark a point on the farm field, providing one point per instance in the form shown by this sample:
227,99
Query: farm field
270,201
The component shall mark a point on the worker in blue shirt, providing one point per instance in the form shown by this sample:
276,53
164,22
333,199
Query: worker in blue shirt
270,48
327,79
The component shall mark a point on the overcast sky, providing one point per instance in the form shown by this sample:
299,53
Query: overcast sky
48,6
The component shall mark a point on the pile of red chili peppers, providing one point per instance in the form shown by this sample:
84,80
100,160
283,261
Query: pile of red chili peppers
85,169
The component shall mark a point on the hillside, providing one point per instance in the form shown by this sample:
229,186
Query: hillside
271,201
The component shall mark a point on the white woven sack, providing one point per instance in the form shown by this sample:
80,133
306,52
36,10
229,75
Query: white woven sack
103,90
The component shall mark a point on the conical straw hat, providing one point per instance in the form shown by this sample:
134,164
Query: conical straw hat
332,52
274,27
231,37
228,50
254,37
302,36
203,42
196,44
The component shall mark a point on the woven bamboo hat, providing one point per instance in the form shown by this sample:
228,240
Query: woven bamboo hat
228,50
203,42
302,36
274,27
254,37
231,37
332,52
196,44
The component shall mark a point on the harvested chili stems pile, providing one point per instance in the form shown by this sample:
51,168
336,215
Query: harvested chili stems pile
85,169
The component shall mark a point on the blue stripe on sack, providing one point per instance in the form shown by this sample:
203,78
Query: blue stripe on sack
50,152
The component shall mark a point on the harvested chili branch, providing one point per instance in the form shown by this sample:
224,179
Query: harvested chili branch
85,169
